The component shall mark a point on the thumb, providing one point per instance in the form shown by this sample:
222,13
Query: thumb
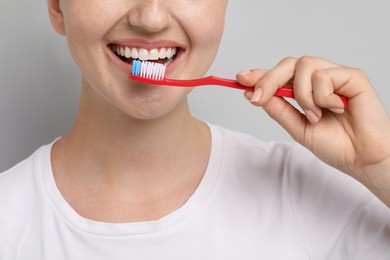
249,78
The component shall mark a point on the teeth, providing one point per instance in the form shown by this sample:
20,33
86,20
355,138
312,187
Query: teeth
134,53
144,54
127,52
154,54
163,53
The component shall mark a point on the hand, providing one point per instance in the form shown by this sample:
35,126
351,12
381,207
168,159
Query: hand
355,139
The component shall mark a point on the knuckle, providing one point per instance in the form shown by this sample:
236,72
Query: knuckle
306,61
359,72
358,76
288,60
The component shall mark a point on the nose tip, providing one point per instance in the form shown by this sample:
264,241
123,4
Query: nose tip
150,15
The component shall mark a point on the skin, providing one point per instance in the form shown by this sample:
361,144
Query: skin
119,162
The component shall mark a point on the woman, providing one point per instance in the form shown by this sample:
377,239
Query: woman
138,177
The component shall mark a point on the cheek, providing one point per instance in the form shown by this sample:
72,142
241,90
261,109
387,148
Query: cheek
81,29
86,24
90,14
204,27
206,21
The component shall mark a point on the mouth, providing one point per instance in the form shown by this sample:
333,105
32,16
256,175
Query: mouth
163,55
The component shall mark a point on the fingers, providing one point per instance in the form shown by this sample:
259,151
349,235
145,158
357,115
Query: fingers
269,81
249,78
324,92
314,89
313,82
303,89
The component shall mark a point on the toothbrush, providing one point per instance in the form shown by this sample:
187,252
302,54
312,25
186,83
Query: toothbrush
153,73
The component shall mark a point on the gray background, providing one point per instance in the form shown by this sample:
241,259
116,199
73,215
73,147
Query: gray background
39,85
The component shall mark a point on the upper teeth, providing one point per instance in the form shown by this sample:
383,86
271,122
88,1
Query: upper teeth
144,54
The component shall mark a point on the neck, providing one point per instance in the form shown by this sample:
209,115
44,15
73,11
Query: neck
146,168
107,142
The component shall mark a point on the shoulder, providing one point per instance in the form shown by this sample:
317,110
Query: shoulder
322,201
253,166
243,142
24,179
25,173
15,180
20,193
276,157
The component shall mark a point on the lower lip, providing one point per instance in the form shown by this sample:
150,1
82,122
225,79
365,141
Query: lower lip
127,68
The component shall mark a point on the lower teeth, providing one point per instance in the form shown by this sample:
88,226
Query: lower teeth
169,61
166,62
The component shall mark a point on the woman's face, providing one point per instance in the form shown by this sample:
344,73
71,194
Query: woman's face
105,35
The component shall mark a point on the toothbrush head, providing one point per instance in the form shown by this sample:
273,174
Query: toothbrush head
147,69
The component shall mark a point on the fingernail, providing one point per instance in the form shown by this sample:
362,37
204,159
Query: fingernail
244,73
313,118
248,95
257,95
337,110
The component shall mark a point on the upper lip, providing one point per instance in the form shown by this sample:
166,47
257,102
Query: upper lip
141,43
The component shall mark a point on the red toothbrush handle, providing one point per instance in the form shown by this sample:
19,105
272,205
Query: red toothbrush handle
212,80
284,91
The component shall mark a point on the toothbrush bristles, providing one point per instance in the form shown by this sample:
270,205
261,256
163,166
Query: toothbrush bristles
148,69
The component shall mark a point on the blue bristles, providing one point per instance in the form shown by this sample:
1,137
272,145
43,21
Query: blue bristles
136,68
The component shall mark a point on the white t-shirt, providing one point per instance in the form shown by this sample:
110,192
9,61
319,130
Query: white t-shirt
256,201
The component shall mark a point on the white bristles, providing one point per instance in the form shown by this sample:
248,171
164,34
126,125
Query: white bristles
152,70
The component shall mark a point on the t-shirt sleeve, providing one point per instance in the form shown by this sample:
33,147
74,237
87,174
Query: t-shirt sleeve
338,217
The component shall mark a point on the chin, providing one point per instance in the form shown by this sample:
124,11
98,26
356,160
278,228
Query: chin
143,109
